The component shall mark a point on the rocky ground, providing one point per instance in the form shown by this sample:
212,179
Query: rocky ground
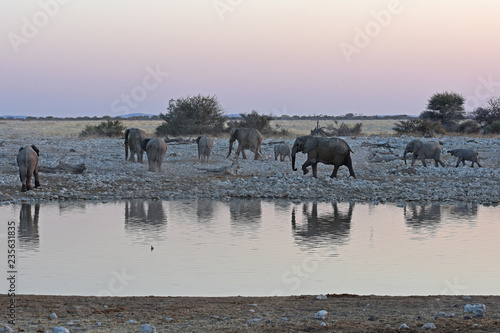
344,313
382,177
381,174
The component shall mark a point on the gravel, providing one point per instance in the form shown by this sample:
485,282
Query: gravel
381,174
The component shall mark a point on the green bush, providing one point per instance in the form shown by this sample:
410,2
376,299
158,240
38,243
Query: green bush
262,123
344,129
419,126
469,127
108,128
494,128
192,115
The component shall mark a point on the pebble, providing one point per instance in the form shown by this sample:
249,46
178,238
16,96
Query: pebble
403,327
146,328
52,316
321,314
321,297
477,310
60,329
429,326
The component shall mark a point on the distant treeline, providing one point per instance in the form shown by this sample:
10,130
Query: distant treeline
348,116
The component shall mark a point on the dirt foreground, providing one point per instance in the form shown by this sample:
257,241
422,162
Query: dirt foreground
346,313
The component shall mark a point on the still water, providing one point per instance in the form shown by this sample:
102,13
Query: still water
253,247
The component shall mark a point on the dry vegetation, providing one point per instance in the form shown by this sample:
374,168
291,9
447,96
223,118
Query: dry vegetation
17,129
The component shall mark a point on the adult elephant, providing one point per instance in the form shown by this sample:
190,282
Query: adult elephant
156,149
27,161
133,138
248,138
332,151
424,150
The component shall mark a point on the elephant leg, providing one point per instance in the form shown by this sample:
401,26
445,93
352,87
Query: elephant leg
440,162
413,159
477,162
256,155
304,167
423,162
132,156
315,170
458,163
348,164
28,181
37,179
151,164
335,170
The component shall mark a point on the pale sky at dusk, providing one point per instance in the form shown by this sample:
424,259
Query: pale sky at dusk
94,58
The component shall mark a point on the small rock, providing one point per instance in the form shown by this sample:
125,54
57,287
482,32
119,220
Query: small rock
131,321
322,323
321,314
255,320
373,318
60,329
429,326
169,319
53,316
321,297
146,328
403,327
476,309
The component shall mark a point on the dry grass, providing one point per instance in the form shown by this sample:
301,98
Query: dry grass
19,129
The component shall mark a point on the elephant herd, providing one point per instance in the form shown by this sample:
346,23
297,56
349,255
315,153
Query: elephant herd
326,150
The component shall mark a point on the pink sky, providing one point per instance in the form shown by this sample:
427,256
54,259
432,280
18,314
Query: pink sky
277,57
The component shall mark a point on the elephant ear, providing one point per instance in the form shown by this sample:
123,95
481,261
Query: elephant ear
35,148
198,139
233,131
144,143
310,144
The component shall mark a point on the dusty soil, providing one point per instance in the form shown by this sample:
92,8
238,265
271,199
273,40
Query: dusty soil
346,313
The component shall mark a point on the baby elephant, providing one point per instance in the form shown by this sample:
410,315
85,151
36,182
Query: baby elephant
282,150
155,149
205,145
465,155
27,160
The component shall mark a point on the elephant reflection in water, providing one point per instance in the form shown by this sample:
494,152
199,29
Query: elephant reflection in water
426,216
28,234
245,214
140,218
336,225
205,210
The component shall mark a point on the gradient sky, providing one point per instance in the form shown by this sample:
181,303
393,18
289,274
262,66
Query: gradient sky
280,57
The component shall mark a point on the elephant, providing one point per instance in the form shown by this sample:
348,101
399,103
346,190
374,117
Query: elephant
205,145
465,155
133,138
424,150
282,150
248,138
27,160
155,149
325,150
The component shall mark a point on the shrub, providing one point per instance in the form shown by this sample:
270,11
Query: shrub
423,127
192,115
344,129
494,128
469,127
262,123
108,128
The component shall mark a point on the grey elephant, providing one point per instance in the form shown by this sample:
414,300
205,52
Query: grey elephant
248,138
424,150
332,151
205,145
282,150
27,161
465,154
156,149
133,138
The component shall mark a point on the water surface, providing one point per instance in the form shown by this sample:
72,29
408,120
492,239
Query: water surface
253,247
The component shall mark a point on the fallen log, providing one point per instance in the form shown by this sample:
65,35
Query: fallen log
63,167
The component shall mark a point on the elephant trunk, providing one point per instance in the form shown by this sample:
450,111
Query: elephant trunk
404,155
294,151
